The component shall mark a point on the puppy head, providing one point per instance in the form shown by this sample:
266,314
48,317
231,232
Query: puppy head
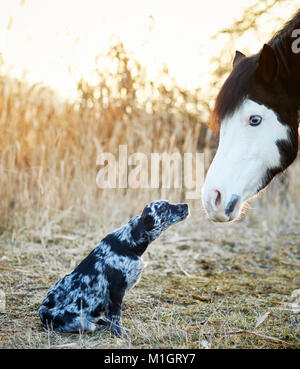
159,215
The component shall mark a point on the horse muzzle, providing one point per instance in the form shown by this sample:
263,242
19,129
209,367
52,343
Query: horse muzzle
219,208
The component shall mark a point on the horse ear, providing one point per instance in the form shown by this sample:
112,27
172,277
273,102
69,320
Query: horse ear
267,64
238,57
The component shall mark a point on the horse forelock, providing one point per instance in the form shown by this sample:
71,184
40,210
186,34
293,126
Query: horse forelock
234,91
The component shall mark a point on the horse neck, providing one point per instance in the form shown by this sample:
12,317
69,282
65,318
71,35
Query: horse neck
288,53
290,72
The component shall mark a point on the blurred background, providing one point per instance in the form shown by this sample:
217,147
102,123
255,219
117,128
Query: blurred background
81,77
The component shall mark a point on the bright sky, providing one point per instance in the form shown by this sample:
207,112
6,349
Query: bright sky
47,37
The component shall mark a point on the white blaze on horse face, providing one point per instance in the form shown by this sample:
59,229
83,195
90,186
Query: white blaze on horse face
244,155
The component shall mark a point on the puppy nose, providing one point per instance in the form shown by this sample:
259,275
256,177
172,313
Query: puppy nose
184,207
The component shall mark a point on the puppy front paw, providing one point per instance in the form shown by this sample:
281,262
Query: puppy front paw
117,330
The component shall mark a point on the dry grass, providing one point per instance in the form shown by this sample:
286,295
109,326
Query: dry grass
206,285
48,150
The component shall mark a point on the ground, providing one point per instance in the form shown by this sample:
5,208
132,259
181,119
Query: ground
206,285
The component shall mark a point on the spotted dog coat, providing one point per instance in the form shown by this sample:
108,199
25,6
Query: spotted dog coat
96,287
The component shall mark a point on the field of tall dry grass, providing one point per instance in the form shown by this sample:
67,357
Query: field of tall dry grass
49,148
206,285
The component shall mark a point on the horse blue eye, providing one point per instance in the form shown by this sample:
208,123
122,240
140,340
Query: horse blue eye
255,120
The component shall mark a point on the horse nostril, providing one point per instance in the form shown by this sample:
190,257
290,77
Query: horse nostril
231,205
217,198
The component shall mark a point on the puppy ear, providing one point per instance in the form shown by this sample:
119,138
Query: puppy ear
238,57
148,222
138,231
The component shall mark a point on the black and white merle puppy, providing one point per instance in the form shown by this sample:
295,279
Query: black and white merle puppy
96,287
